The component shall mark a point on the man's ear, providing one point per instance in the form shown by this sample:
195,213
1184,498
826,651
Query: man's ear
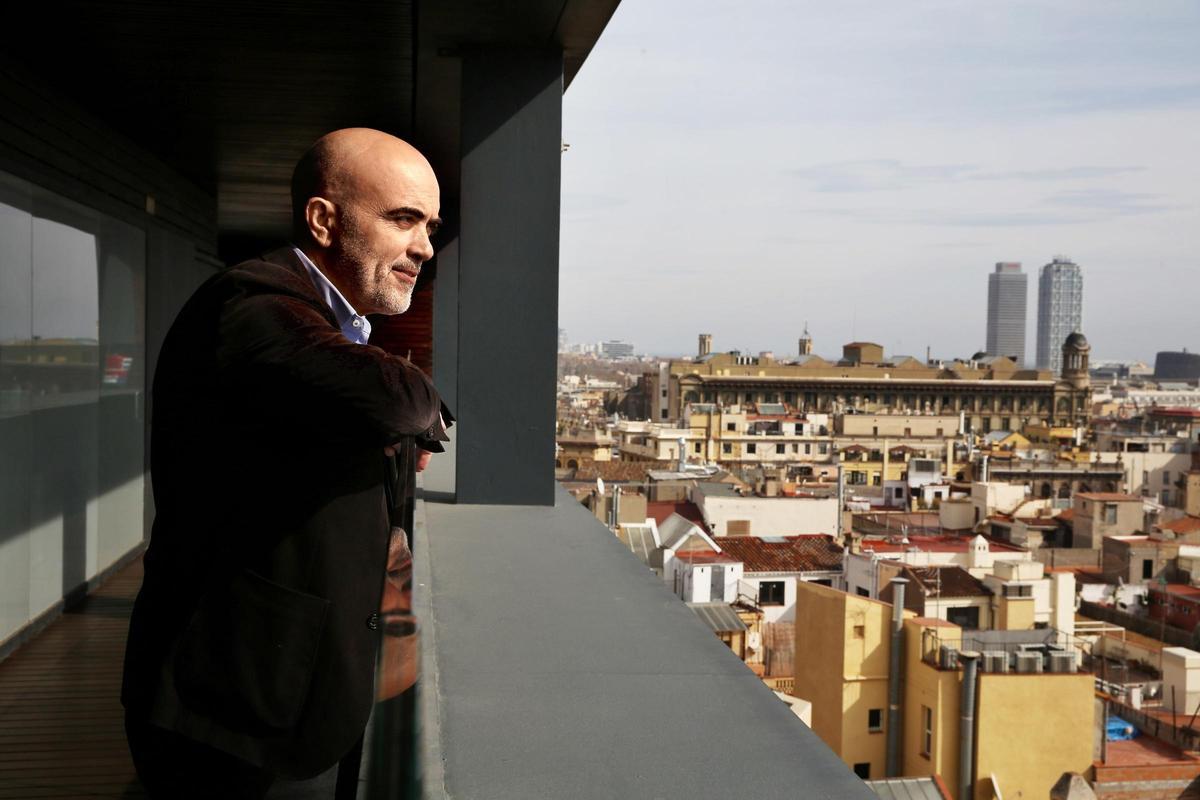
320,216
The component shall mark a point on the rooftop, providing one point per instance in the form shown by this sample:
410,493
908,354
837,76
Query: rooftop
947,581
1110,497
1142,751
784,553
1177,589
660,510
934,544
613,471
1181,526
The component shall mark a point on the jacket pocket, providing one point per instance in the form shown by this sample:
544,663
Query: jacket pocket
246,658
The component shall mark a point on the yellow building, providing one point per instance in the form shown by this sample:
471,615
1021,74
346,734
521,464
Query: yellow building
841,667
579,447
1030,727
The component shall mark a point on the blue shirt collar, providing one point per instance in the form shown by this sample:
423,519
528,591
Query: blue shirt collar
355,327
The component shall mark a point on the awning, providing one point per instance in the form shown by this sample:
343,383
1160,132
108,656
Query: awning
718,616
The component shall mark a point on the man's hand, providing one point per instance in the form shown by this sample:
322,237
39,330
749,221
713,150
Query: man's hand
423,456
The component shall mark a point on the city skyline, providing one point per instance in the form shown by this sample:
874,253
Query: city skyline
859,166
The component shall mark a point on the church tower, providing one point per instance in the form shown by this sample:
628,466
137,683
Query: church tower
806,344
1075,361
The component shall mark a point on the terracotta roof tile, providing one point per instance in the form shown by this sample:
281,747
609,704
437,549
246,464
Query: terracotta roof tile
1182,525
613,471
784,553
661,509
948,581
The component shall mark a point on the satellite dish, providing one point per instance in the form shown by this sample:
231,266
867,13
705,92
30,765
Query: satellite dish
754,640
600,486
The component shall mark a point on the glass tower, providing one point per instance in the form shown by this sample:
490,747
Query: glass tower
1060,310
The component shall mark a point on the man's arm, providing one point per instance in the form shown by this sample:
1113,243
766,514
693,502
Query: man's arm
286,352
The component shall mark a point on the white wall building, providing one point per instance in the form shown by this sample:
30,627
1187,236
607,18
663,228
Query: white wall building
729,514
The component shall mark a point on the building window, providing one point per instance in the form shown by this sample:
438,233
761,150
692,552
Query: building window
770,593
781,449
863,592
823,449
860,631
664,413
926,731
727,448
731,426
863,770
1166,477
751,448
875,720
966,618
1147,569
1110,513
696,447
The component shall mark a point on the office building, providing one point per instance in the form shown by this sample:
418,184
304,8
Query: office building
1060,310
1180,366
616,349
1007,298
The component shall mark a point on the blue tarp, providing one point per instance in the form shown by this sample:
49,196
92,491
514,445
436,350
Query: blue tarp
1118,730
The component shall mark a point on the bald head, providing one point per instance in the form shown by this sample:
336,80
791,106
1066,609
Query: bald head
364,206
344,161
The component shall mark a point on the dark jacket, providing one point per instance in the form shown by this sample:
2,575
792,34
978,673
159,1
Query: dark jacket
254,628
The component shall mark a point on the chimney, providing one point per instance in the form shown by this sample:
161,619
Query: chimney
895,666
966,724
705,344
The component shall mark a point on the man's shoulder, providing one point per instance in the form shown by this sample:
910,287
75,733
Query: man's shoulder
278,271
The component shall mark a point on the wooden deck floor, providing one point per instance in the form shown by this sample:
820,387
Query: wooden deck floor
62,729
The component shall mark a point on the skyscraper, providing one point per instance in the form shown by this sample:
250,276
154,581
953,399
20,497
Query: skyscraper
1060,310
1008,290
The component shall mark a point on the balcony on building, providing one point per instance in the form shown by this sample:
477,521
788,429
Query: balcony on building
147,147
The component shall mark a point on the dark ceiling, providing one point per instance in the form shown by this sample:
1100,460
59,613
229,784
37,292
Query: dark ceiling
230,93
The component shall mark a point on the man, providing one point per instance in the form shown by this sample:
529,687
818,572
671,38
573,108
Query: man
253,641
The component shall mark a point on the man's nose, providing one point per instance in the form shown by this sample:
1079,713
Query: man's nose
420,249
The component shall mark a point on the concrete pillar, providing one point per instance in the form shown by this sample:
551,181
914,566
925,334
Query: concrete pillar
508,275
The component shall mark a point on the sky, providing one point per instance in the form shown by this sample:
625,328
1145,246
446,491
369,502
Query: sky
743,168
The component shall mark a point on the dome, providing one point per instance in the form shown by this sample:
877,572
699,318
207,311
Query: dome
1077,341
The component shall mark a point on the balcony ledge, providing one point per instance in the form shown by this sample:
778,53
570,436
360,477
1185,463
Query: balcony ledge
555,664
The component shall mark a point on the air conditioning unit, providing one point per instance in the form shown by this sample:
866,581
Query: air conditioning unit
947,657
1062,662
1029,662
995,661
